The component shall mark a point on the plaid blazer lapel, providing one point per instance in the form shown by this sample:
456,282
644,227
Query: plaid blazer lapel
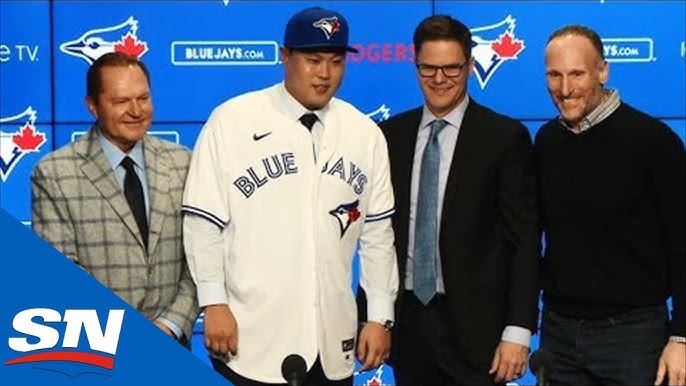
157,168
98,171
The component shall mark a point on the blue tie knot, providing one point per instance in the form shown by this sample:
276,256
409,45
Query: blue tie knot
436,126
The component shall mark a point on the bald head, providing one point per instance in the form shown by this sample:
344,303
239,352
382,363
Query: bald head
576,72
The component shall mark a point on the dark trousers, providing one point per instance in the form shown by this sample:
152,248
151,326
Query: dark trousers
426,354
621,350
315,377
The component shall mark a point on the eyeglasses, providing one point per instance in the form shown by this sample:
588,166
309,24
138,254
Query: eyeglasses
449,70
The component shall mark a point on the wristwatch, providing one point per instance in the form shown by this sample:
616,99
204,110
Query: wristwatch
387,324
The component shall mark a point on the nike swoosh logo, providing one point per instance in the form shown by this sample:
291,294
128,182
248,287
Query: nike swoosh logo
257,137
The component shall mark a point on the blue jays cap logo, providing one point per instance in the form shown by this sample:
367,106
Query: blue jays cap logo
346,214
329,25
97,42
493,45
18,137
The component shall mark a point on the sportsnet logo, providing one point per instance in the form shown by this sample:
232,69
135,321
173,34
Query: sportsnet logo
18,137
38,339
97,42
493,45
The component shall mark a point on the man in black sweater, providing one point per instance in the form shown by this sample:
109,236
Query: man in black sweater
612,192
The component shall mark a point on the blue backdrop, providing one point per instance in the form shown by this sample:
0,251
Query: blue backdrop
201,53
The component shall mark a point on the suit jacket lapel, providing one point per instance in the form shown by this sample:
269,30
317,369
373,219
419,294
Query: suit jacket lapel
157,168
98,171
468,128
406,148
402,141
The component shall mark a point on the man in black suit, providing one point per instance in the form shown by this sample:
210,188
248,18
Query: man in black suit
465,221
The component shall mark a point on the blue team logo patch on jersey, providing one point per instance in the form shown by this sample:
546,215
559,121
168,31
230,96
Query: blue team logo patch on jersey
346,214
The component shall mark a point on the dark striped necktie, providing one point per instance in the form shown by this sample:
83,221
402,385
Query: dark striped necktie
133,191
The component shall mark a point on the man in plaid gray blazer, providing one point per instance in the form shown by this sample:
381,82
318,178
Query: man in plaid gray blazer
79,204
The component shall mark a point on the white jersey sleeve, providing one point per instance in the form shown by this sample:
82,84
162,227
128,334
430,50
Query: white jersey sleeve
378,263
206,209
206,193
382,204
203,244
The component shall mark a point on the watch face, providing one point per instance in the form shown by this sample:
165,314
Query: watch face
388,325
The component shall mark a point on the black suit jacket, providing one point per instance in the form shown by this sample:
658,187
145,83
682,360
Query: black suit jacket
489,238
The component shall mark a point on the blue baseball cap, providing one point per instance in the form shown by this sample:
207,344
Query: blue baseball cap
317,28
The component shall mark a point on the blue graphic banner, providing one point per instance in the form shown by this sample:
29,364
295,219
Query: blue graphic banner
59,326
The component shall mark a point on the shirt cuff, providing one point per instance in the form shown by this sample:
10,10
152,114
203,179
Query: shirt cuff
172,326
677,339
516,334
379,308
211,293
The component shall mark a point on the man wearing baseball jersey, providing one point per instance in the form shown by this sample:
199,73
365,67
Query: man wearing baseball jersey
284,183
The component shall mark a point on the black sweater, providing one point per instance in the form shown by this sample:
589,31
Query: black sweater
612,209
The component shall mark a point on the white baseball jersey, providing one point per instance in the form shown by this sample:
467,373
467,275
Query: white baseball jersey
291,225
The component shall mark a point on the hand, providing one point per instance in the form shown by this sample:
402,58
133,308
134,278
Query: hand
221,330
164,328
509,361
672,363
373,346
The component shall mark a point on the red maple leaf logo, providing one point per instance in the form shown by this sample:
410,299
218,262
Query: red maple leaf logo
130,45
374,382
335,26
28,139
507,47
354,214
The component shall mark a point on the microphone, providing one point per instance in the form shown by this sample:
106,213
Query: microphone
293,370
539,363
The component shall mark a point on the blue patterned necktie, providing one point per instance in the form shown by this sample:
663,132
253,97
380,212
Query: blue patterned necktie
426,223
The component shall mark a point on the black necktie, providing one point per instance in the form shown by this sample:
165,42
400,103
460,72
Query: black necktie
308,120
133,190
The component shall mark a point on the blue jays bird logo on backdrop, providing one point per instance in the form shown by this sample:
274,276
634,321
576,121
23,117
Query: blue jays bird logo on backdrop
346,214
18,137
97,42
329,25
493,45
380,114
